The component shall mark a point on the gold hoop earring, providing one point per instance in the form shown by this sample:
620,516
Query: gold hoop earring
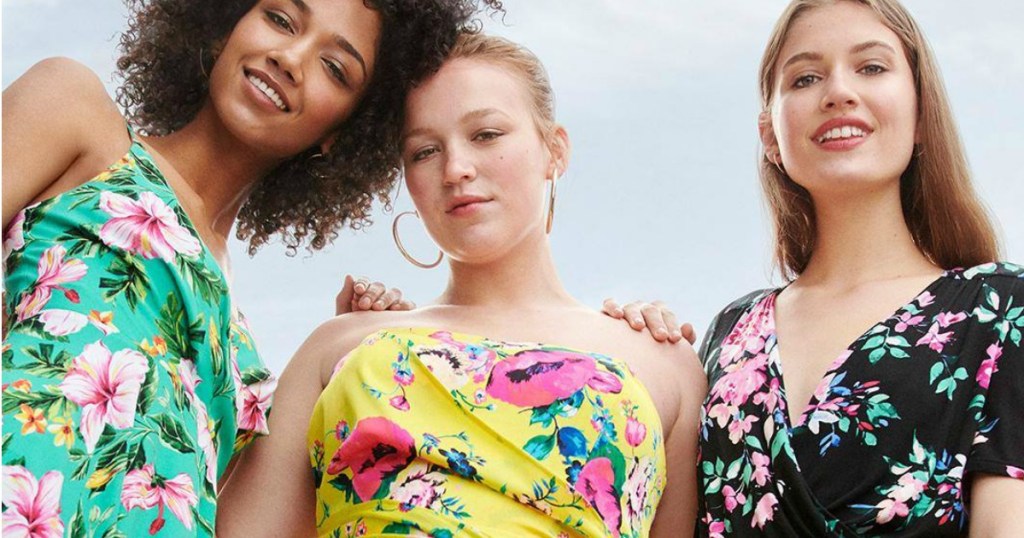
401,248
551,202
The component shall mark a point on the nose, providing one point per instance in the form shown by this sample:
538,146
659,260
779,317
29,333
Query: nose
286,62
458,167
839,93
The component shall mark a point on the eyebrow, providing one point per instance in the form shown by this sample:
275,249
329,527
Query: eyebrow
467,117
340,40
815,56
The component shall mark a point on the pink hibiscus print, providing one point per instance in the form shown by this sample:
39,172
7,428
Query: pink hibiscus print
989,366
33,507
14,239
765,511
596,484
144,489
254,404
106,386
377,448
537,378
147,227
54,273
60,322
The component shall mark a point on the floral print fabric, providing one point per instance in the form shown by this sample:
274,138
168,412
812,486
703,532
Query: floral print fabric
129,382
914,405
427,432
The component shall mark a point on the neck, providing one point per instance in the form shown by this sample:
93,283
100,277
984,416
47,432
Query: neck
863,237
525,278
218,168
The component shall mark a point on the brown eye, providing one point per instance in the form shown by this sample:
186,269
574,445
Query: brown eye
280,21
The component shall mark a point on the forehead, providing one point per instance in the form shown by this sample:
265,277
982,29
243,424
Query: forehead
351,20
836,26
463,85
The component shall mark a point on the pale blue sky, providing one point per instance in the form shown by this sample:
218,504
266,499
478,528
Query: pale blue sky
661,197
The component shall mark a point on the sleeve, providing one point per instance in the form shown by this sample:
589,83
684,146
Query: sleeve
999,442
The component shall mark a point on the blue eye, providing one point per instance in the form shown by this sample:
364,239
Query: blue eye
805,81
423,153
873,69
485,136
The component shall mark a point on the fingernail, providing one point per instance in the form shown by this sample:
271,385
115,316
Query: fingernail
638,321
360,288
379,303
661,332
617,311
677,334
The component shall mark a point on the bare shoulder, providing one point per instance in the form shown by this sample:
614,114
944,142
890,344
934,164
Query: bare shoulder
82,97
336,337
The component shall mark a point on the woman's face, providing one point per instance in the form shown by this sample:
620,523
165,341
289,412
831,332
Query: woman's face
292,70
475,163
844,114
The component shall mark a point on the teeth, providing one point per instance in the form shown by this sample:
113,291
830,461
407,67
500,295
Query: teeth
268,91
847,131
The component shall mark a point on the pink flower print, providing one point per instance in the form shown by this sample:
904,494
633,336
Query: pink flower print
537,378
1014,472
934,339
341,430
62,322
765,510
204,436
106,386
399,402
254,404
596,484
769,398
636,432
749,334
925,299
721,413
733,498
32,507
144,489
889,509
761,473
447,363
635,489
54,273
377,448
739,428
945,319
989,366
741,380
715,529
421,488
147,227
14,239
907,320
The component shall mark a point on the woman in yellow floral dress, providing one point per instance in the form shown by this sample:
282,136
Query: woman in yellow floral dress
452,420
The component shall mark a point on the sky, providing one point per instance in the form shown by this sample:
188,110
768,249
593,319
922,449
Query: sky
661,197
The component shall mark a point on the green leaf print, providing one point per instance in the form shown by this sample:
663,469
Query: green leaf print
83,242
173,434
45,363
76,527
128,278
204,281
177,332
540,446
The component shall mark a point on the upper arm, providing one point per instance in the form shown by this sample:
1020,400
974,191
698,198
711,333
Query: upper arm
274,472
996,506
677,512
47,116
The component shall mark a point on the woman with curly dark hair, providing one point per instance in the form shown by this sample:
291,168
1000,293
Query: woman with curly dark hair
130,372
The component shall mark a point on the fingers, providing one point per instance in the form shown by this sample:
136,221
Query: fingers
689,333
632,313
373,293
404,304
343,301
655,320
612,308
389,300
671,325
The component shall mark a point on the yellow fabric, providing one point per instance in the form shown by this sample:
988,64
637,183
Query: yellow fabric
427,432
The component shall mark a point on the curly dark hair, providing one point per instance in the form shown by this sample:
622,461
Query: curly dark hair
167,51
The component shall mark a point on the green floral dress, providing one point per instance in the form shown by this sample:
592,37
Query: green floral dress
425,432
130,380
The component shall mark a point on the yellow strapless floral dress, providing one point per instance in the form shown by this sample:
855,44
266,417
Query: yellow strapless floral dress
432,433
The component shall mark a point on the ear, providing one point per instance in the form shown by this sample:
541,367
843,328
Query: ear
560,148
328,142
766,130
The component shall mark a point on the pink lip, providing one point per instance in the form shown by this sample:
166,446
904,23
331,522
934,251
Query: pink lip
840,122
265,77
462,205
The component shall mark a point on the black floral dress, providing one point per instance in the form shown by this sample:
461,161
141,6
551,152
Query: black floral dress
912,407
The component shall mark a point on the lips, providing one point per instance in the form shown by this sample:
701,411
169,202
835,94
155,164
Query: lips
465,202
842,129
265,84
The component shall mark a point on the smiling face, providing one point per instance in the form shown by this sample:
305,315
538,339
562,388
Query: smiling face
844,107
475,161
292,70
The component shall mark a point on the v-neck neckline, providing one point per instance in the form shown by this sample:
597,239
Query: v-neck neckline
775,356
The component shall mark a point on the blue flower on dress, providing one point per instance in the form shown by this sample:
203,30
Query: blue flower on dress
458,462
